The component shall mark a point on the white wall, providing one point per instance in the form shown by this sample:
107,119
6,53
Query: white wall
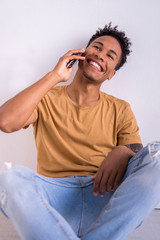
35,33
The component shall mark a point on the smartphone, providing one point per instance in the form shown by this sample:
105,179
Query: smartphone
70,64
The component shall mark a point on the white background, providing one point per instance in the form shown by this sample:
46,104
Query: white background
35,33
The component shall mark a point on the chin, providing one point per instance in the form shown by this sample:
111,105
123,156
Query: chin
90,78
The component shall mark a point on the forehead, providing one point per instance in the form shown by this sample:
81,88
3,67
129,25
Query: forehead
109,42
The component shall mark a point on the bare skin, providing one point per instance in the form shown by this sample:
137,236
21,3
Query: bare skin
112,168
135,147
97,65
19,111
85,87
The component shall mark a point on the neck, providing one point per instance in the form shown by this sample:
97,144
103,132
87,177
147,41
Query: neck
82,91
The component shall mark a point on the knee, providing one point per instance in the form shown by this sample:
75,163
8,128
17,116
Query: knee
154,151
13,179
14,185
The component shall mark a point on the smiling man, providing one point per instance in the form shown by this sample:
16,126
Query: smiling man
94,179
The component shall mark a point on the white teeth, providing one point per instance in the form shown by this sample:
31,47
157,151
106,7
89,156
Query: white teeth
96,65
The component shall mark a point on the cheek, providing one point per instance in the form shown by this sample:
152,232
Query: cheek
80,63
87,52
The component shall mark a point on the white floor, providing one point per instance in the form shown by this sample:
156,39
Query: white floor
7,231
150,229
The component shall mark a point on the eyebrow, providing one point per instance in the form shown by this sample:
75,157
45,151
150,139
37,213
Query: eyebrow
111,50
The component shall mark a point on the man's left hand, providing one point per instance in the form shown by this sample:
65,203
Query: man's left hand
111,170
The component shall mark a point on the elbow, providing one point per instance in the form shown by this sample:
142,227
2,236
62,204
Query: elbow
9,125
4,127
5,122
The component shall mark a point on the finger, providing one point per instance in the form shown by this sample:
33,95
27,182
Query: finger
74,52
66,60
111,181
73,60
76,57
117,181
103,183
96,183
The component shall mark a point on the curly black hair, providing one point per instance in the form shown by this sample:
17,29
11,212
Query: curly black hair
120,36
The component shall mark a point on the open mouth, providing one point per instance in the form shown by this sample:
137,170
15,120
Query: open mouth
96,65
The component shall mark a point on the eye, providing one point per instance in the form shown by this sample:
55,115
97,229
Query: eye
97,47
110,56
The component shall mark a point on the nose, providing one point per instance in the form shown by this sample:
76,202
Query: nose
101,55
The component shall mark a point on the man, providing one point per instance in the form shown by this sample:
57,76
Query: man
90,184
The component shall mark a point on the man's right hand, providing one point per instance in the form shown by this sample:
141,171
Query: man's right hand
19,111
61,70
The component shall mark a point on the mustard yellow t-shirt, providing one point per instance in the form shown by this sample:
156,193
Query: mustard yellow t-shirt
74,140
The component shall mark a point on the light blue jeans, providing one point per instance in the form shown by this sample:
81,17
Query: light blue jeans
43,208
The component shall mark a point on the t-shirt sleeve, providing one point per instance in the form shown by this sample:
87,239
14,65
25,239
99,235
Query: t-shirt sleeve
128,130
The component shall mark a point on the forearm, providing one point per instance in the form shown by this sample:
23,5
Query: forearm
135,147
122,151
16,111
126,151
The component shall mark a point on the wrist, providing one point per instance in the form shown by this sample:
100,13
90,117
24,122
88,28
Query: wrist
54,77
126,150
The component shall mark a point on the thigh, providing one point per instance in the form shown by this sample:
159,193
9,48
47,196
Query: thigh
64,195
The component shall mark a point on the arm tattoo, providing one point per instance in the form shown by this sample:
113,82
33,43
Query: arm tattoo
135,147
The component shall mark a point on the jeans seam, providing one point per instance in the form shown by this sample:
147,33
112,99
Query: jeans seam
47,207
82,214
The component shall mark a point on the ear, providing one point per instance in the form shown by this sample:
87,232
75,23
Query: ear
112,74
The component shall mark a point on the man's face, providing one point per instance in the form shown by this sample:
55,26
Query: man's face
102,56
